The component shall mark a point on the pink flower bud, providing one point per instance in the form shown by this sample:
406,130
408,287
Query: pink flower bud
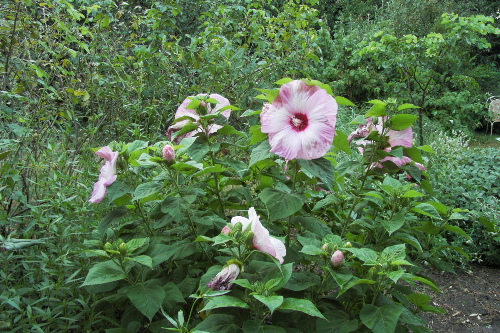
337,258
223,280
168,153
325,247
226,230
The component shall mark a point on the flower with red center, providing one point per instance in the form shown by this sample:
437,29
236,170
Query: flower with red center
300,121
262,241
182,111
107,175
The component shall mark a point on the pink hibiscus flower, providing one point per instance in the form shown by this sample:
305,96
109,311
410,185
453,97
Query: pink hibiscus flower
300,121
396,138
262,241
184,111
107,175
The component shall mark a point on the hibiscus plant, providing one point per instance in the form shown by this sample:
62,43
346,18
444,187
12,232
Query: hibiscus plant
282,229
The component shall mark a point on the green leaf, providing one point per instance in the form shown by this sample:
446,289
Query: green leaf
272,302
228,130
311,250
382,319
394,224
402,121
354,282
257,135
136,243
341,142
211,169
172,295
366,255
336,322
279,277
143,260
4,154
283,81
344,101
198,150
427,149
147,297
407,106
302,280
302,305
412,194
253,326
261,152
217,323
457,230
225,301
144,190
104,272
428,210
280,204
321,168
114,216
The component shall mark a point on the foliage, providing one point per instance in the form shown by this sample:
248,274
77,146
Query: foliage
76,74
161,242
467,178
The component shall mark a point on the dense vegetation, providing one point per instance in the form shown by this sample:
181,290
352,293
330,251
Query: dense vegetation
80,75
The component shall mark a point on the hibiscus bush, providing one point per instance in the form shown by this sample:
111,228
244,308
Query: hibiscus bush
285,228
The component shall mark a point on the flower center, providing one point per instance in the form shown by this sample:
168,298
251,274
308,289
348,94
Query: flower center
299,122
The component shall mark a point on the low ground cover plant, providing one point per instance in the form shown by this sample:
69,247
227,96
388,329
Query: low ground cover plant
282,229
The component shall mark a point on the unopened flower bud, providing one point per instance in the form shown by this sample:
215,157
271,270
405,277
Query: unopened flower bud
224,279
337,258
348,244
325,247
123,248
226,230
168,153
108,246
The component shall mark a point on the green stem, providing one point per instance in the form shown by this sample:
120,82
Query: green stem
294,184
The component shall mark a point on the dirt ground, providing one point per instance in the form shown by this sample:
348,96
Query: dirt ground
471,299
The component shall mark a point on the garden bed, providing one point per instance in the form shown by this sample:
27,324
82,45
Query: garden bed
471,299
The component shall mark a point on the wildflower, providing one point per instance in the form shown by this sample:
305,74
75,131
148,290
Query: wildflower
107,175
224,279
168,153
184,111
337,258
300,121
262,241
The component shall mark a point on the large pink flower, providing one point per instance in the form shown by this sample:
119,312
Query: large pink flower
107,175
300,121
262,241
184,111
402,138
